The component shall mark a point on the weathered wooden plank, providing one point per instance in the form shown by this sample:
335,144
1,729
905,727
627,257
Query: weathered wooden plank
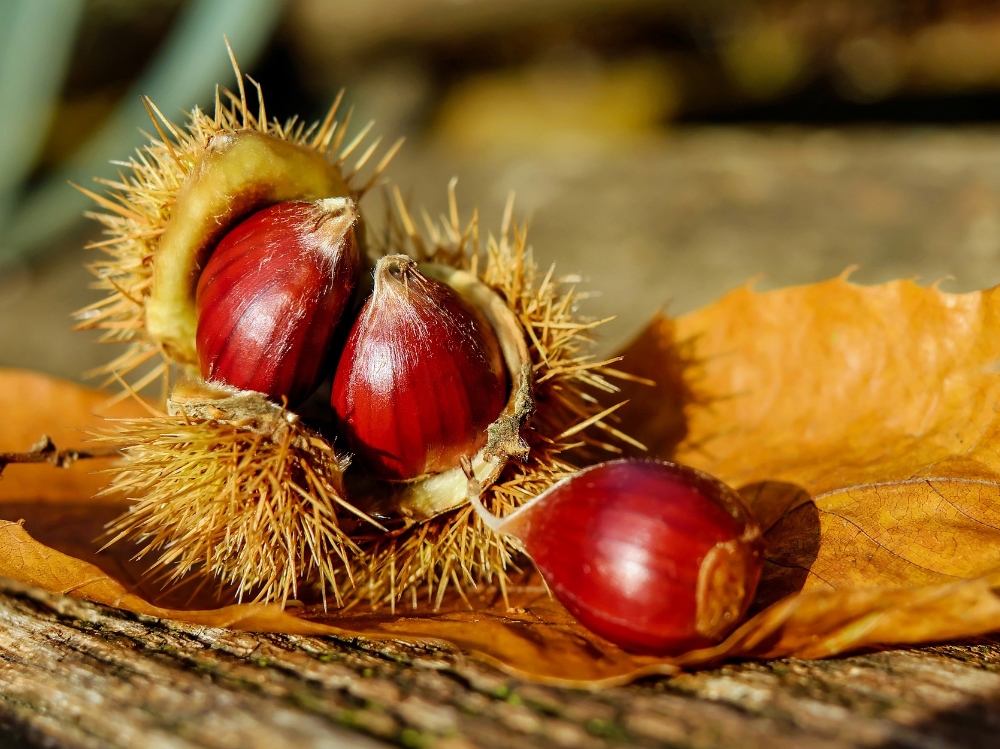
77,675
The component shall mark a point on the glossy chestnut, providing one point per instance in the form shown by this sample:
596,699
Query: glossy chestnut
272,294
653,556
420,378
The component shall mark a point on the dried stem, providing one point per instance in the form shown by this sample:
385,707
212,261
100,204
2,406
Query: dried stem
45,451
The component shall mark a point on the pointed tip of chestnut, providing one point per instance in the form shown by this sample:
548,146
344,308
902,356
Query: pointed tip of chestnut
396,277
272,294
335,217
421,377
653,556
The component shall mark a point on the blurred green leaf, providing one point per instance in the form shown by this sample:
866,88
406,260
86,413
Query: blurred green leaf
192,61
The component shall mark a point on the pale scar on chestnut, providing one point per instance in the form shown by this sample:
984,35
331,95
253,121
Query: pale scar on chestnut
722,591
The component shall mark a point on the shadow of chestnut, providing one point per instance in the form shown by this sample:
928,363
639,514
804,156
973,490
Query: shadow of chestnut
789,521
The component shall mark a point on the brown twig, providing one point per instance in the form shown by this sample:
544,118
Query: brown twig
45,451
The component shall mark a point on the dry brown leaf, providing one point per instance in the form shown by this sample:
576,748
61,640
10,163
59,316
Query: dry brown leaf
859,422
537,639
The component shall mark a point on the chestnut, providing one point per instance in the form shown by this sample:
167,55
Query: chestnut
421,377
272,294
236,172
653,556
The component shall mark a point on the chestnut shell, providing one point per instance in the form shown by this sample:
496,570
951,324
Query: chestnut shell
421,377
656,557
272,294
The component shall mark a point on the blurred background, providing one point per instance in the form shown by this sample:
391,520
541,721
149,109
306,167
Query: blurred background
667,150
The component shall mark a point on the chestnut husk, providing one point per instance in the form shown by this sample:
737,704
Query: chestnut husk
178,197
425,532
163,218
232,485
237,174
437,542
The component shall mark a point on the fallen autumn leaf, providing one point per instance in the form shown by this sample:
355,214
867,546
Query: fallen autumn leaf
860,423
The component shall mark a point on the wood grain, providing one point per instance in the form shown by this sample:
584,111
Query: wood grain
77,675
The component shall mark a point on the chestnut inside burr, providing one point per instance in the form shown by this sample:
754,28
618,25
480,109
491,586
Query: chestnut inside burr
272,295
421,377
239,173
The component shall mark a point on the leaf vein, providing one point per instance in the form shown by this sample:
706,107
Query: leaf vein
882,546
905,482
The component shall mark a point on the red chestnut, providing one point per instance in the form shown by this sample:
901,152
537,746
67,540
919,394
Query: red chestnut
271,296
420,378
652,556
